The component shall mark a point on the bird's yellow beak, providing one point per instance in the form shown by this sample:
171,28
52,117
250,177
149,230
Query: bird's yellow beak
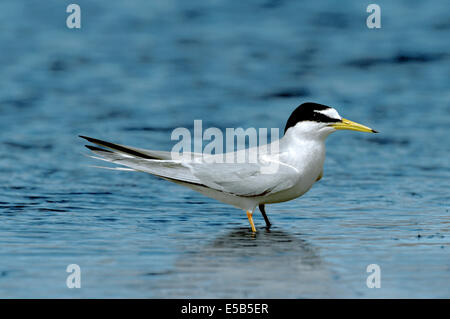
350,125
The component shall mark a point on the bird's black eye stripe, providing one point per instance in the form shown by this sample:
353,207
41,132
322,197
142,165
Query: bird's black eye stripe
308,112
320,117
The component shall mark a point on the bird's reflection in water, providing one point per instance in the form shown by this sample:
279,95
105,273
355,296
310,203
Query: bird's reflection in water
244,243
242,264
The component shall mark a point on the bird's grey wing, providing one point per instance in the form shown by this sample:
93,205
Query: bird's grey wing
244,179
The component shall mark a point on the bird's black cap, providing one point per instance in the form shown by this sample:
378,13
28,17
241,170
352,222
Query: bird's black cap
307,112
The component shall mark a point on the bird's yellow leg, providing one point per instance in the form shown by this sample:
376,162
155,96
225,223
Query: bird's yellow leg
250,219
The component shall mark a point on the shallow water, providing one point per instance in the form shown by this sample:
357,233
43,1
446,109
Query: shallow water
138,69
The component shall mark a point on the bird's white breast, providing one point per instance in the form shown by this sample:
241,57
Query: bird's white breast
307,157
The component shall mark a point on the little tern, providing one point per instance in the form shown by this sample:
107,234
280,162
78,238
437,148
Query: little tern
299,155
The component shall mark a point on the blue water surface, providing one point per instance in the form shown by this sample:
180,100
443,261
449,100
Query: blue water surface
138,69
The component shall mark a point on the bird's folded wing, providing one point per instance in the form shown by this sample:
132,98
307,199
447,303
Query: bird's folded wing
244,179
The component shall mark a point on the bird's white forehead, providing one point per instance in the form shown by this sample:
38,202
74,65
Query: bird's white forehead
330,112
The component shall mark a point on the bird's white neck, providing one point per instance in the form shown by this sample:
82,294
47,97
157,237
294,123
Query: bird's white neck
304,149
